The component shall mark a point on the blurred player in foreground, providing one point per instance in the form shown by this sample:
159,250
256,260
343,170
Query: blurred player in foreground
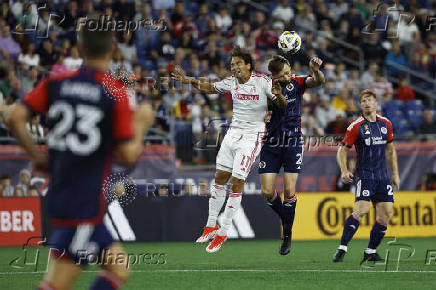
372,137
284,142
243,140
90,119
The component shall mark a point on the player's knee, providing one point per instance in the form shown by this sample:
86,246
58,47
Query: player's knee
121,272
385,217
222,177
267,192
237,184
358,214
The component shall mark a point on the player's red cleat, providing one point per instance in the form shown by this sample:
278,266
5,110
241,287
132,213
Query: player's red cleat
208,233
215,245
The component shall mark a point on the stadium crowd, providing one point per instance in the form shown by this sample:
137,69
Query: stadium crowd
21,189
198,36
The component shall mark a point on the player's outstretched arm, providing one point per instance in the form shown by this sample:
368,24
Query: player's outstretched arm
391,156
205,87
341,157
277,97
317,77
16,120
129,151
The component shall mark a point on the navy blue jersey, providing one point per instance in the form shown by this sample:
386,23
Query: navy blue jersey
370,140
287,121
87,112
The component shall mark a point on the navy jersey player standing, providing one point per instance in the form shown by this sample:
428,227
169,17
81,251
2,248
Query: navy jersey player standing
372,137
283,145
90,119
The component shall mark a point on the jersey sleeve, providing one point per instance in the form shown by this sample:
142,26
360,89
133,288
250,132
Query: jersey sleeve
351,135
123,119
390,136
224,85
268,87
37,99
301,81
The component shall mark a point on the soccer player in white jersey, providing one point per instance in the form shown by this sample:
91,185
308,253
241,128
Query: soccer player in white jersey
243,141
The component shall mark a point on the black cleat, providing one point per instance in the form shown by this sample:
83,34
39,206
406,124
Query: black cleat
285,247
371,258
339,256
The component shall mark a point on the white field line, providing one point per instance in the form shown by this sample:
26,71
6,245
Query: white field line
245,271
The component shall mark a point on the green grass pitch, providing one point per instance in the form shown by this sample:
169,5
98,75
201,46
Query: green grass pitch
253,264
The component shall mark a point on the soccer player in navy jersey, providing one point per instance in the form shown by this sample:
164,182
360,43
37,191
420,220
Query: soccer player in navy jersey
90,120
283,145
372,137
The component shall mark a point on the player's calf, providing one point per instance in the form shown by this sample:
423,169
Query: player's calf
114,271
62,273
274,201
289,205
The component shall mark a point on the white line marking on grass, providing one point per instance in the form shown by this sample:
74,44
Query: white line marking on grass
245,270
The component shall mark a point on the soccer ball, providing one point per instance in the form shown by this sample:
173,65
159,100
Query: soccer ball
289,41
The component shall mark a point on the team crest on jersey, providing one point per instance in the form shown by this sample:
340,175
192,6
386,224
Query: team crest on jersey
253,89
366,127
290,87
262,164
384,130
368,141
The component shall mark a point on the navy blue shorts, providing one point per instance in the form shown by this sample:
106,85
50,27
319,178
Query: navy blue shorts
374,190
82,244
289,155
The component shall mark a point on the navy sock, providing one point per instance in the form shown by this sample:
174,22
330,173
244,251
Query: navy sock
289,206
377,233
350,227
277,206
106,281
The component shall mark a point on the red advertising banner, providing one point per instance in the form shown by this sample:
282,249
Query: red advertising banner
20,219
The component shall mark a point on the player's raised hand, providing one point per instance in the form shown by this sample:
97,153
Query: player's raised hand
396,181
315,63
179,75
347,177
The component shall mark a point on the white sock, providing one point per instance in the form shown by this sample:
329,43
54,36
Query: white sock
370,251
232,206
216,201
342,247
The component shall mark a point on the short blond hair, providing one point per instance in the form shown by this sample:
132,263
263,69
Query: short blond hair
367,92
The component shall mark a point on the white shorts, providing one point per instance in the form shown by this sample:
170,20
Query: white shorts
238,152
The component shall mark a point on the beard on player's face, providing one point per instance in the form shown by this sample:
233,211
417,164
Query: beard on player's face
283,83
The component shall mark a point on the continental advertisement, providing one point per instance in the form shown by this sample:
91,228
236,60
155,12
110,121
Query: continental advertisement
322,215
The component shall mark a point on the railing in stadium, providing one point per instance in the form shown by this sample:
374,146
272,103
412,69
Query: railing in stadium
428,87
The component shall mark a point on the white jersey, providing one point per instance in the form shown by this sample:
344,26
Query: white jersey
249,101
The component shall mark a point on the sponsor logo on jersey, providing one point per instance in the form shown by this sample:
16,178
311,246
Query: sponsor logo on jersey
262,164
384,130
368,141
247,97
378,140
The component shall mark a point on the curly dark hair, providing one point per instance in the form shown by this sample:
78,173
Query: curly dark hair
246,56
